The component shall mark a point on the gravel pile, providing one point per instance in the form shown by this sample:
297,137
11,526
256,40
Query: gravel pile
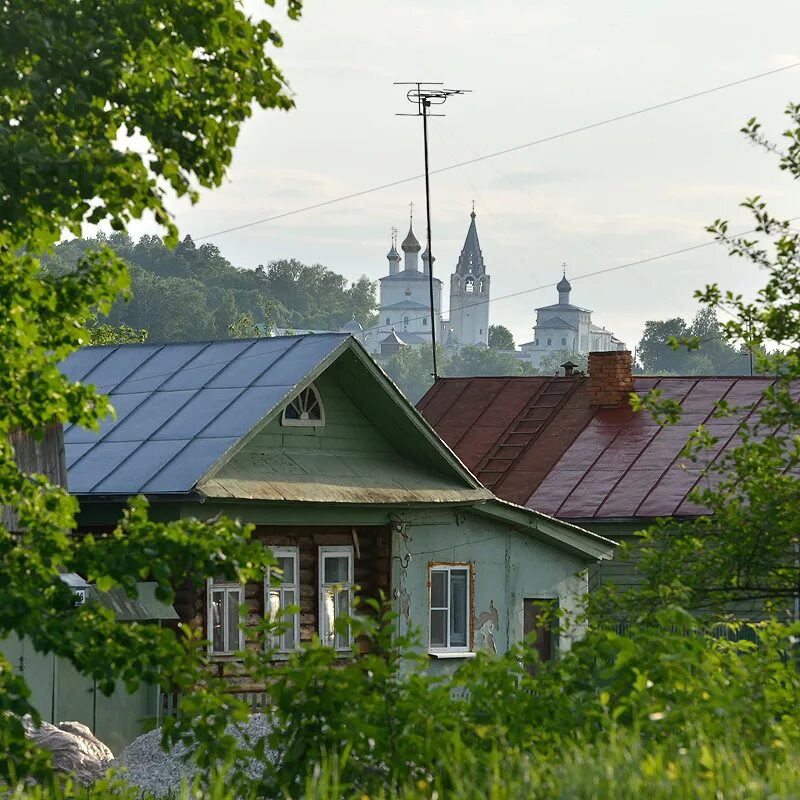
154,771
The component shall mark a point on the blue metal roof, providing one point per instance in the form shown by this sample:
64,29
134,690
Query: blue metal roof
179,407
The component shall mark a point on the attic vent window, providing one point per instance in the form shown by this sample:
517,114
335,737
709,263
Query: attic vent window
305,410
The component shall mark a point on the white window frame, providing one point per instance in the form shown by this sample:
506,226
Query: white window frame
437,649
328,636
290,422
293,624
229,588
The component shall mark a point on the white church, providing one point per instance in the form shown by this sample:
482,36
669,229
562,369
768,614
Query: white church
564,326
405,320
404,317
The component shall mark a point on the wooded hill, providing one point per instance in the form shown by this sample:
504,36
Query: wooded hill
194,293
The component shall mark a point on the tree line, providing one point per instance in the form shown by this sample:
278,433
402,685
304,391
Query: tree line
192,293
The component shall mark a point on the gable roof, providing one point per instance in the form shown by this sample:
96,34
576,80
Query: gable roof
183,410
537,441
555,322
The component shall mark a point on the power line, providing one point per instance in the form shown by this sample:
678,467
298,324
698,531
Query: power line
505,151
206,364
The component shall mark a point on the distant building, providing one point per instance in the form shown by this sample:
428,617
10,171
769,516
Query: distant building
404,301
469,294
564,326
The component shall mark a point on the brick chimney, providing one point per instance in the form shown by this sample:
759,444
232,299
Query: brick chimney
610,378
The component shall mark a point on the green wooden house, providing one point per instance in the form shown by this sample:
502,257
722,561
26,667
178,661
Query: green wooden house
306,438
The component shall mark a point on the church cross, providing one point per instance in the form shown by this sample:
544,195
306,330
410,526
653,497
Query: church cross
411,209
564,268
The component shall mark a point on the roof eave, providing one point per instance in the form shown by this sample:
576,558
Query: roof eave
564,535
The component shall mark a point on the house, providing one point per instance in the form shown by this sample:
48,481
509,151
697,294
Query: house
572,447
307,439
58,691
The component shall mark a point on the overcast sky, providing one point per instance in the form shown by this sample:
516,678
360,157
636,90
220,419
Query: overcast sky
623,192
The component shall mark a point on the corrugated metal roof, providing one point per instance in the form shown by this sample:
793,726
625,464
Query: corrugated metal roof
179,407
535,443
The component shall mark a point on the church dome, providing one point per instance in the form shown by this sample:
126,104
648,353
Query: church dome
564,285
410,243
393,255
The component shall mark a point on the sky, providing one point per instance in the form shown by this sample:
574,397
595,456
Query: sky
615,194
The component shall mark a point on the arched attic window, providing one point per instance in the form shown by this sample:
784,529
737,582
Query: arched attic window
469,284
305,410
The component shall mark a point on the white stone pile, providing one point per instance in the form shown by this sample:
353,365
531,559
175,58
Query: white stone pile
152,771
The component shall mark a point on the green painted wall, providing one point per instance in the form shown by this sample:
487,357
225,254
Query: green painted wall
60,694
346,427
509,566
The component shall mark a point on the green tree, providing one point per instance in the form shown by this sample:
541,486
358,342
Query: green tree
551,363
501,338
75,77
700,348
475,361
745,550
411,368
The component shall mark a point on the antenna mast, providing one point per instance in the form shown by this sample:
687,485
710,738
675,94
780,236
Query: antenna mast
424,95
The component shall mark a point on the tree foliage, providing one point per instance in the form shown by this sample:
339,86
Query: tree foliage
551,363
76,78
700,348
194,293
744,551
501,338
412,368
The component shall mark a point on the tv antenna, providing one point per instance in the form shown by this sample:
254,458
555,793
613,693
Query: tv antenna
424,95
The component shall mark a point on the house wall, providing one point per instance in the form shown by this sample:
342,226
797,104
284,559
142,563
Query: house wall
371,574
622,572
509,566
60,693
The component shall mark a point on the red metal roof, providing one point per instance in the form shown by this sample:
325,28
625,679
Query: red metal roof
536,441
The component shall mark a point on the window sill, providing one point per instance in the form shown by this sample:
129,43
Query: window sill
451,654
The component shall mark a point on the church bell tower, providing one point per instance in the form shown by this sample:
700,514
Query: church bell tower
469,293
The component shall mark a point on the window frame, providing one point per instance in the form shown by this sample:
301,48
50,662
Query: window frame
228,587
275,640
290,422
336,551
448,568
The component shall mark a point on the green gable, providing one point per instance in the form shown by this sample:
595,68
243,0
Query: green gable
366,452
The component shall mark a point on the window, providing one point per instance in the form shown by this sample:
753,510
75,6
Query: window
424,320
469,284
450,607
549,341
223,602
306,409
405,322
563,341
279,596
388,321
335,594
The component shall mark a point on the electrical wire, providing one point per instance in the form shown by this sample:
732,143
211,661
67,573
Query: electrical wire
505,151
207,364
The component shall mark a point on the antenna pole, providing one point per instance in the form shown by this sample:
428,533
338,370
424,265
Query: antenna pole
425,104
424,95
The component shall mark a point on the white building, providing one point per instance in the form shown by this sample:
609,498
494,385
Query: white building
404,298
564,326
469,294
